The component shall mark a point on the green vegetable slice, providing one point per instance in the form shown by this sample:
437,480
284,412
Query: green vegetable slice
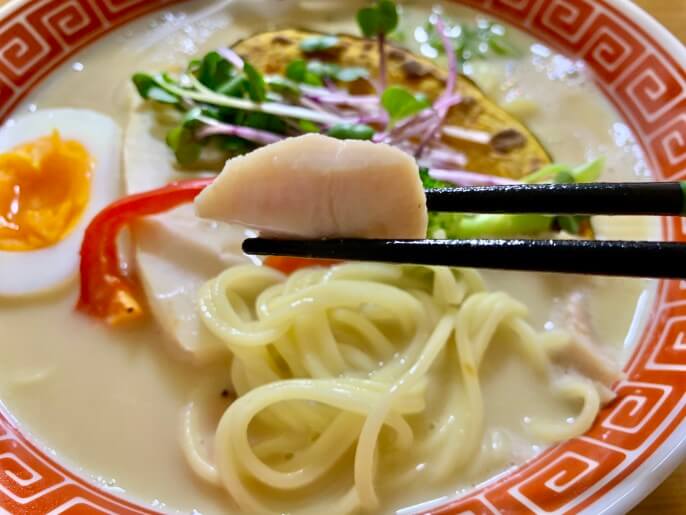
401,103
257,88
351,131
149,88
381,18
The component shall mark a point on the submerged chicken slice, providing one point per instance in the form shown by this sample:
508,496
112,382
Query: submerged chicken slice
176,252
314,186
583,353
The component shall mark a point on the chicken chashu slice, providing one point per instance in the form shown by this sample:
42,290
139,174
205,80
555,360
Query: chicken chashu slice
513,152
176,252
314,186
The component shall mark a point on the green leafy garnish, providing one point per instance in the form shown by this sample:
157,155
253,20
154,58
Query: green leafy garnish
184,145
323,70
150,88
234,87
307,126
215,92
351,131
455,226
368,21
429,182
194,66
318,43
214,71
257,89
282,85
192,117
465,226
546,174
381,18
234,145
401,103
570,224
314,72
564,177
588,172
262,121
297,71
564,174
503,226
388,16
576,224
181,139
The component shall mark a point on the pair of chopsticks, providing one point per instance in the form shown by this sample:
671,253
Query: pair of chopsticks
611,258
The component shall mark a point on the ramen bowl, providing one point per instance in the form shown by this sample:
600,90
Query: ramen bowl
636,441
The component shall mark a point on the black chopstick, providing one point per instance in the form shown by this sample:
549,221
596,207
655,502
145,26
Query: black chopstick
611,258
649,198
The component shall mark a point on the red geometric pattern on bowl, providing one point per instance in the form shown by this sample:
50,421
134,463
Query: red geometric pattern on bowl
648,88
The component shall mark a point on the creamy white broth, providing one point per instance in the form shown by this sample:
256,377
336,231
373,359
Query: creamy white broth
108,402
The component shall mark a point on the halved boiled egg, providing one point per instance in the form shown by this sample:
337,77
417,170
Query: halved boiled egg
58,169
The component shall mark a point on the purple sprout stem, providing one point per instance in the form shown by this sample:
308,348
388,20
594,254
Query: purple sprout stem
311,104
330,84
340,98
449,98
374,119
232,57
471,135
255,135
452,57
381,40
447,101
430,135
294,128
447,156
407,128
418,130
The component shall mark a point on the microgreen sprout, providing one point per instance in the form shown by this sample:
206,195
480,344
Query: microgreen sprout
380,18
229,104
149,88
379,21
400,103
351,131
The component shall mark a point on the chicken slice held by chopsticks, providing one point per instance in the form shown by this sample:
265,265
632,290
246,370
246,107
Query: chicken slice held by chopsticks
314,186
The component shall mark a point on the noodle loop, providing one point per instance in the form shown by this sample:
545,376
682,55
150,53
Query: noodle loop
351,380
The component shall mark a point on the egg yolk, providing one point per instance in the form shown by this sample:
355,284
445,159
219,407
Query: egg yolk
44,190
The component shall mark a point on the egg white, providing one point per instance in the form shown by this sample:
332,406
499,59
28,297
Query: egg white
37,271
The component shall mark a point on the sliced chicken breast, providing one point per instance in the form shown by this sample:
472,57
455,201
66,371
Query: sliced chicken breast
582,352
176,252
314,186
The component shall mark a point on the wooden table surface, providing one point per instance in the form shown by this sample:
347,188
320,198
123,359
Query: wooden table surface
670,497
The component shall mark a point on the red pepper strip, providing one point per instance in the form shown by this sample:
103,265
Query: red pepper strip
288,265
106,293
